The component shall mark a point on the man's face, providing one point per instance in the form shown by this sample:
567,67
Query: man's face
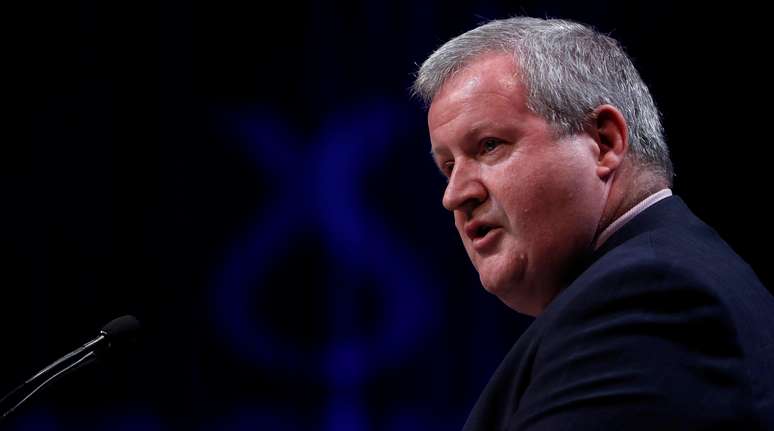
526,203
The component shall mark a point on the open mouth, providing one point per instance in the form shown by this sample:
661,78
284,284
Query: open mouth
479,232
484,237
482,231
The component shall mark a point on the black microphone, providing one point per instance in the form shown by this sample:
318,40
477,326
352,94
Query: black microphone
117,331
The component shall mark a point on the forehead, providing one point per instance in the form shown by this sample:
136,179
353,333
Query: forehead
487,90
488,76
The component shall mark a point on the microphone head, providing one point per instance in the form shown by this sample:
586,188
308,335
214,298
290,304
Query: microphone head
121,327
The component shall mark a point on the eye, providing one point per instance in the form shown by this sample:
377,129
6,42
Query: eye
447,168
490,144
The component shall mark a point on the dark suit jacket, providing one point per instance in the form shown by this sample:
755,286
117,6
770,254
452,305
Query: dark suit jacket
666,329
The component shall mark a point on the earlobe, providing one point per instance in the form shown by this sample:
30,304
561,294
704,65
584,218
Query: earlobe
603,172
611,134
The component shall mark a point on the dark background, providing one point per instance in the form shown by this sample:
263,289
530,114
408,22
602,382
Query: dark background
253,182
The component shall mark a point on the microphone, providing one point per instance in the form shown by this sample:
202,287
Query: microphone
117,331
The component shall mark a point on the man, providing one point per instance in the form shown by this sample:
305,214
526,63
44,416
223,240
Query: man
558,179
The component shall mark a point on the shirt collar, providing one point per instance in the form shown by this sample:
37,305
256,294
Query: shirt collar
628,215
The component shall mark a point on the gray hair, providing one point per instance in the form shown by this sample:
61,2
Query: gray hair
568,70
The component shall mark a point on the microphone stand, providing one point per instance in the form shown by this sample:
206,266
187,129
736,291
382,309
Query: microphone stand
116,330
48,376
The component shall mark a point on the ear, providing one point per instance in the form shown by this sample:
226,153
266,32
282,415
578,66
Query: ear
609,130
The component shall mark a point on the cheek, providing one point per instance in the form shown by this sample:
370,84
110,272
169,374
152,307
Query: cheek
570,218
550,199
525,199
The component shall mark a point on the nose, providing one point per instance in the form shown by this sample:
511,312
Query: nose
465,190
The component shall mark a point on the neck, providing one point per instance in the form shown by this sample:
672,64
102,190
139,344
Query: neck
629,187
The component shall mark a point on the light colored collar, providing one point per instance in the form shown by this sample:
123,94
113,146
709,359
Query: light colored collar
628,215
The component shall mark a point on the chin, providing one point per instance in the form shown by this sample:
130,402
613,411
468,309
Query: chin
493,288
514,295
518,291
504,273
504,286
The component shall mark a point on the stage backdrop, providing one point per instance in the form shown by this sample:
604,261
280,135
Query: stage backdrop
252,180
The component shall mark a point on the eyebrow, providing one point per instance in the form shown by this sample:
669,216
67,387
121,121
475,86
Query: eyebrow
477,128
474,131
434,156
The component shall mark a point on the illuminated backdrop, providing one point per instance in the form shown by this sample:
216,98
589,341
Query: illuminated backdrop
254,183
